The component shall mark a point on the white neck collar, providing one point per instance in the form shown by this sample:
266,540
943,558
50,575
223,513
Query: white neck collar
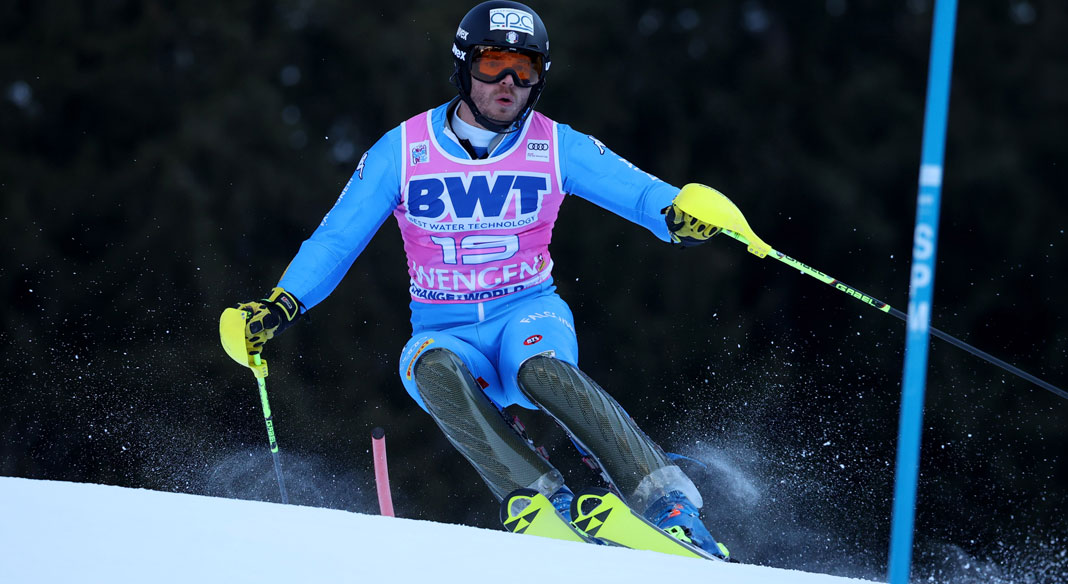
478,137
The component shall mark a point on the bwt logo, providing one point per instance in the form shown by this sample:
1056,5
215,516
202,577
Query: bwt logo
511,19
476,195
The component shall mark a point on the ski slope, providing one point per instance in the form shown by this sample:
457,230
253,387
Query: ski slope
67,532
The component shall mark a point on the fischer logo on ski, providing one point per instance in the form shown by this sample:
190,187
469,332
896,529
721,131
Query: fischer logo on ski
528,511
602,514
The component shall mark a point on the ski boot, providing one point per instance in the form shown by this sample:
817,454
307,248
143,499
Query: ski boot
676,515
561,501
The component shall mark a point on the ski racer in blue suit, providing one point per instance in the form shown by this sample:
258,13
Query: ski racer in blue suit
475,185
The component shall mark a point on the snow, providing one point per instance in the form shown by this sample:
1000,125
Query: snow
54,531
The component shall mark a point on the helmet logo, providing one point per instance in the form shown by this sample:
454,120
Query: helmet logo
511,19
511,37
461,34
461,55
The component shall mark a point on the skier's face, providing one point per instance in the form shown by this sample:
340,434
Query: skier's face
501,101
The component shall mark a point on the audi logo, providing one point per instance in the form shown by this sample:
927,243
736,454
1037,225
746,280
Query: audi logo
538,146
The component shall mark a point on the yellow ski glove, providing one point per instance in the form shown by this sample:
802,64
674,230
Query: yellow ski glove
268,317
686,229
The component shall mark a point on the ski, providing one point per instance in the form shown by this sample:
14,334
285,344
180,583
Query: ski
601,514
528,511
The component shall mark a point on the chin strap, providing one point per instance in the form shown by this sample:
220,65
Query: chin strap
507,128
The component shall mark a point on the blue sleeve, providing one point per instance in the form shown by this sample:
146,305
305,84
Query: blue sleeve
604,178
371,194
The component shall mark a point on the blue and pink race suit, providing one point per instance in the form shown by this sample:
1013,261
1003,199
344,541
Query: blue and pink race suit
476,233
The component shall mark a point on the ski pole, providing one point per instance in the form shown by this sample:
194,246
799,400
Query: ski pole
232,335
711,206
262,383
378,446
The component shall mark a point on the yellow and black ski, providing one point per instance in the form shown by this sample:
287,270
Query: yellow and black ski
601,514
528,511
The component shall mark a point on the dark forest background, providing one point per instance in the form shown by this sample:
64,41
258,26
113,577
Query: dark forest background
162,160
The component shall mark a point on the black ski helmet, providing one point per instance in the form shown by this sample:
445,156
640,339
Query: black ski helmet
505,24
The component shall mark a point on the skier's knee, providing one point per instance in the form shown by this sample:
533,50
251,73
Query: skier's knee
441,377
544,366
549,382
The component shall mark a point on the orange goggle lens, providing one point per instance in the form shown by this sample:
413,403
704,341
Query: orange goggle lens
491,65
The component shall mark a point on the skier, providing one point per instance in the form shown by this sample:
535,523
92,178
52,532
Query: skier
475,186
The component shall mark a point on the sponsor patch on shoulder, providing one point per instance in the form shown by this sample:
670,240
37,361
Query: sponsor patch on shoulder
538,150
420,152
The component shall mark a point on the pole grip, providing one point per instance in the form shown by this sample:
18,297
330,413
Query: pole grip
378,447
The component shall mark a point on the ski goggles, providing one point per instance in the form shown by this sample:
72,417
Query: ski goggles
491,64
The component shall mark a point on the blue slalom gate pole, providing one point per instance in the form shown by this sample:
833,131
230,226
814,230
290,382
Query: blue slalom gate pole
922,284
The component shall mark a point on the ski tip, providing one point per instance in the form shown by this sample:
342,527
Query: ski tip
378,433
515,503
587,500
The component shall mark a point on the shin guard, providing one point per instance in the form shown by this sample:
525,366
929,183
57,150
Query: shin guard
633,463
474,425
